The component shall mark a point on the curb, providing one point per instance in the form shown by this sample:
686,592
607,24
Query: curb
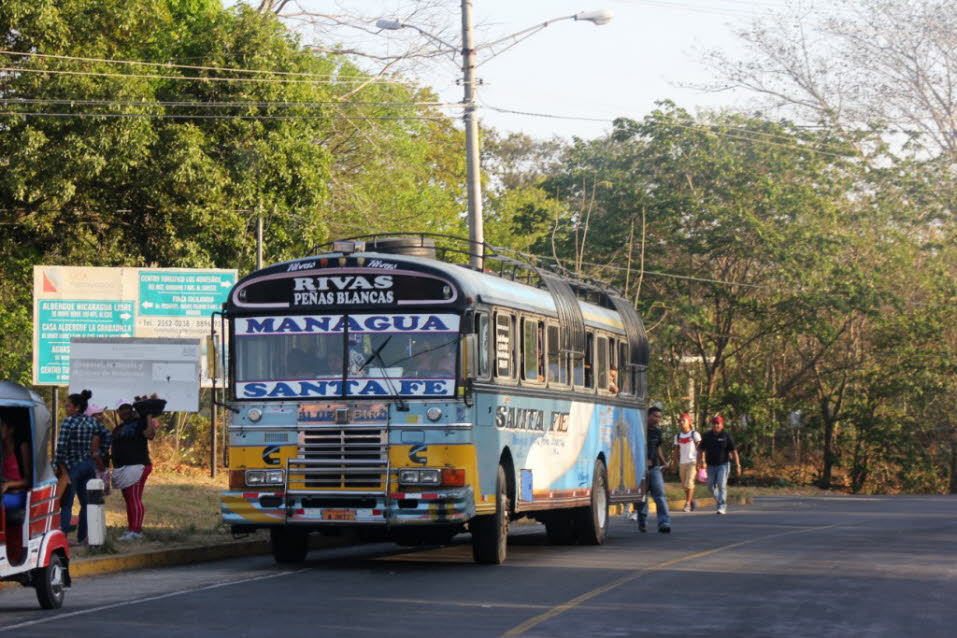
188,555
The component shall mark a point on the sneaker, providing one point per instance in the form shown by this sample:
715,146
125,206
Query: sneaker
664,529
642,527
722,511
686,508
130,536
633,516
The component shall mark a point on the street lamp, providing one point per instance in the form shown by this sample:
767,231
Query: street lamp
472,159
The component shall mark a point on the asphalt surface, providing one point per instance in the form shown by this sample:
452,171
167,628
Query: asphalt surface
785,566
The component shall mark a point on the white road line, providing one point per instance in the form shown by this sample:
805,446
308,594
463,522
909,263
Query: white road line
127,603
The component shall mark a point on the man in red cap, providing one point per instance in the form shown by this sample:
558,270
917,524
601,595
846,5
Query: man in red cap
718,452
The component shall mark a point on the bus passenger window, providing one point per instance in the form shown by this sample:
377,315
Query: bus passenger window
624,369
557,367
532,362
481,330
602,363
584,376
503,346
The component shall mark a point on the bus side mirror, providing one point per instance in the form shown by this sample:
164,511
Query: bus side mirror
469,357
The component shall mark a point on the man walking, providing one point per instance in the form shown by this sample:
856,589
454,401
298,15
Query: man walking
656,483
718,451
686,456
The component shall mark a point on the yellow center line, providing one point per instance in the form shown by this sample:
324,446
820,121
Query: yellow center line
518,630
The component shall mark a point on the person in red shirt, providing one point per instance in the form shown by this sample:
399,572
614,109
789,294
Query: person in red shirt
16,481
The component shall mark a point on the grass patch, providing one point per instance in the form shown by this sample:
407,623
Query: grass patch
182,509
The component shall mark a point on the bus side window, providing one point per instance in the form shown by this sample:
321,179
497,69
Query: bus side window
584,373
624,369
601,363
532,362
503,345
481,331
557,360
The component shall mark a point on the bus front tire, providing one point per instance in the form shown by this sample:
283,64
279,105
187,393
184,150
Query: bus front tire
289,545
490,533
592,521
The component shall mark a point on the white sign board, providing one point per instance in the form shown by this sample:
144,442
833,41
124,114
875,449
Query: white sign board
81,301
116,370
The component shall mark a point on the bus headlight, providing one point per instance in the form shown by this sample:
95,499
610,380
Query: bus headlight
434,414
259,478
408,477
429,477
254,414
420,477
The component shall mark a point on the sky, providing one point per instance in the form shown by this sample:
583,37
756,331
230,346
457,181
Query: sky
650,51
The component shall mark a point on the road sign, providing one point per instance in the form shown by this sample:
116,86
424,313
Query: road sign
74,301
120,369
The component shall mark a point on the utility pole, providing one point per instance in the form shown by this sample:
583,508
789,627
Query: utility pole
472,159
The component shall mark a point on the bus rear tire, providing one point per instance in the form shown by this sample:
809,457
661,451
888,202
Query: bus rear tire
490,533
289,545
560,529
592,521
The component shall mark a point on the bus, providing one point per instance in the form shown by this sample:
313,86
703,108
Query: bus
383,388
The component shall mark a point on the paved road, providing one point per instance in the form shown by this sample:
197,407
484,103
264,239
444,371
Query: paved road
788,566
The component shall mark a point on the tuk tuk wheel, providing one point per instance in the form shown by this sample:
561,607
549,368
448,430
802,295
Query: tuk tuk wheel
49,583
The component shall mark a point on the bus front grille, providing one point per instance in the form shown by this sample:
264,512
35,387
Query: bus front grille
341,458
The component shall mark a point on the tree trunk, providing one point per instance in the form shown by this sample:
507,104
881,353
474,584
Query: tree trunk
828,418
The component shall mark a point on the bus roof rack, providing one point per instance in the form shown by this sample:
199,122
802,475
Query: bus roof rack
509,264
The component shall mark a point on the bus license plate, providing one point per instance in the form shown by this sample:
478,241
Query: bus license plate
338,515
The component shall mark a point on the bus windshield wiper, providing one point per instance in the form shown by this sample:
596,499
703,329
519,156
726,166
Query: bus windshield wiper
375,354
401,405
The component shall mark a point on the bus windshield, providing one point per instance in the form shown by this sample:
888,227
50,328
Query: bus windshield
358,355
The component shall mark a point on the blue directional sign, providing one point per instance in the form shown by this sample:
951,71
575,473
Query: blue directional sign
94,302
169,293
61,319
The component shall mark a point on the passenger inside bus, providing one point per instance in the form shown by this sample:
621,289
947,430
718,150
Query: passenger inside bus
17,471
333,365
438,362
358,356
613,380
300,364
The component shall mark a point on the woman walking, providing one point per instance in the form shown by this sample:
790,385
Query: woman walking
131,458
77,449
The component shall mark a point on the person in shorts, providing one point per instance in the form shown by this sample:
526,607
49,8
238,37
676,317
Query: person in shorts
686,458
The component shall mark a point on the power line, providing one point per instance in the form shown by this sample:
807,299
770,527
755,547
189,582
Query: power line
745,134
214,104
168,65
331,80
170,116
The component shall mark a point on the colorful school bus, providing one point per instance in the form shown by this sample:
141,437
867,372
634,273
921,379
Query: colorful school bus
380,389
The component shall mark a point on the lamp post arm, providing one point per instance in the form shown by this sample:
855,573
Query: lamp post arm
392,25
518,36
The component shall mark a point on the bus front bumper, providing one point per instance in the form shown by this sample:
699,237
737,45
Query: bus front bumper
250,509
